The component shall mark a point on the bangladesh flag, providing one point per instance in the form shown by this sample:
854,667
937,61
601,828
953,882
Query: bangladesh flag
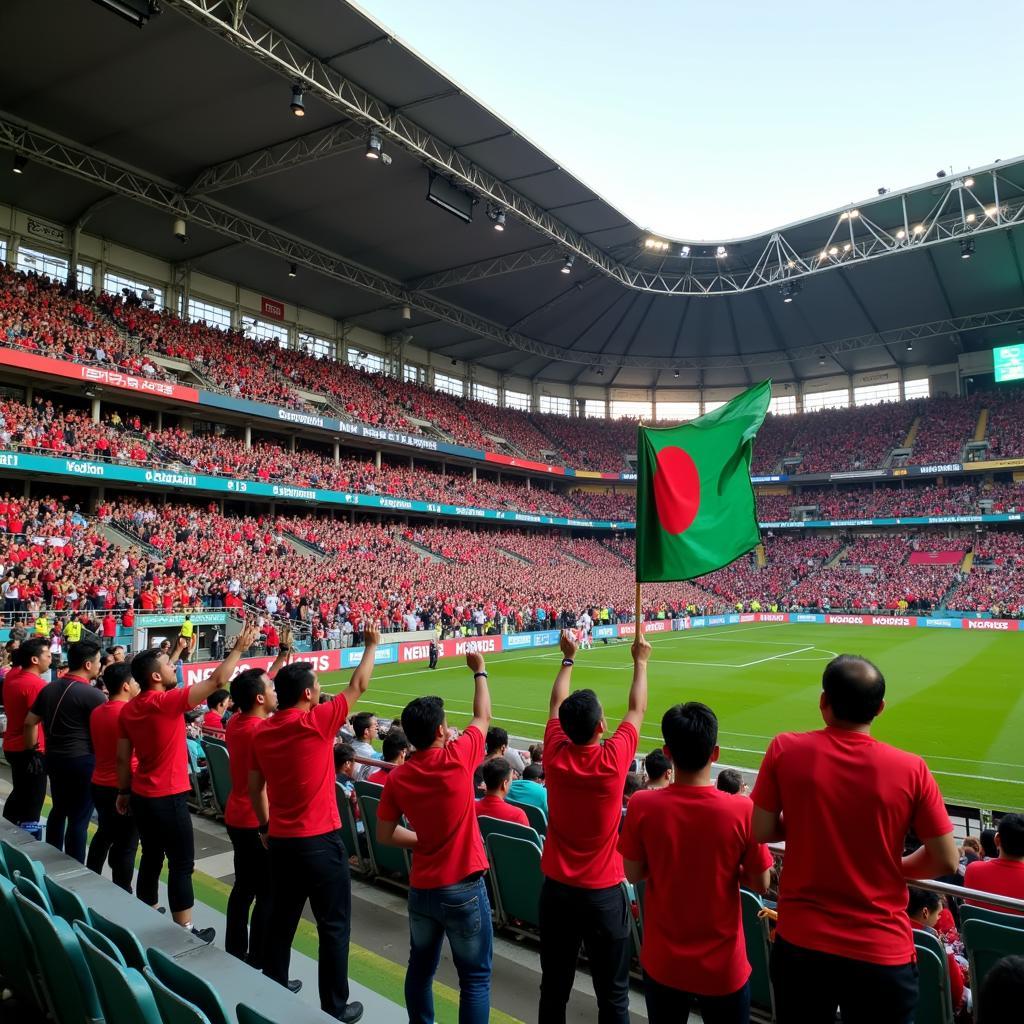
695,502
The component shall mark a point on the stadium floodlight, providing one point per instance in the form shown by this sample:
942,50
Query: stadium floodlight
569,261
968,183
790,290
910,346
821,360
918,229
992,212
721,252
901,234
298,104
293,270
20,163
967,248
970,218
684,251
675,373
374,145
497,216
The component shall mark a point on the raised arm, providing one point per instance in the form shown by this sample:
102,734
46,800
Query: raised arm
641,651
284,652
179,649
221,675
481,692
560,688
360,681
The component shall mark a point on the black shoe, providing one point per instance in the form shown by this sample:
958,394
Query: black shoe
295,985
352,1013
206,935
161,910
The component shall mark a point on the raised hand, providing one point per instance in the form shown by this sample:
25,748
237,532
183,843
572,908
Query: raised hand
371,635
567,644
250,632
475,661
641,649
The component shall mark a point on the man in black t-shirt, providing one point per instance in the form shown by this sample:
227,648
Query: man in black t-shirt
64,708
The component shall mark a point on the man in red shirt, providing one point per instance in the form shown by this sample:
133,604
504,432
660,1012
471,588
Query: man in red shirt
694,845
582,902
152,724
844,803
255,700
447,895
216,705
394,750
28,770
291,785
497,779
116,839
1003,876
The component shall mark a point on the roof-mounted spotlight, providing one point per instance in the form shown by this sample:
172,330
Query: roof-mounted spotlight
684,251
721,252
298,104
910,346
968,183
567,264
790,290
821,360
374,145
675,373
20,163
293,270
497,217
656,244
967,248
600,371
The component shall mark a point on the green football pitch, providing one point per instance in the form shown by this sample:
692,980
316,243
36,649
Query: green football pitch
957,698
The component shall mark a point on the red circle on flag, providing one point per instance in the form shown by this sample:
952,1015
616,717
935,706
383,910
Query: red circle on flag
676,490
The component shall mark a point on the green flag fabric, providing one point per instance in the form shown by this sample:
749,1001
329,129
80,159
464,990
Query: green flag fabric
695,502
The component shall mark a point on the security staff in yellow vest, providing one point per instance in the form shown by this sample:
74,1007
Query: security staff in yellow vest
42,625
187,633
73,630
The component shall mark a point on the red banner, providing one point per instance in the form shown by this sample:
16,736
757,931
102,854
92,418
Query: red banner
655,626
323,661
97,375
937,557
537,467
271,308
414,651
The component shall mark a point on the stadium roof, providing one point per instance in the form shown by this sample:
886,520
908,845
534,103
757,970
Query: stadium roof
196,106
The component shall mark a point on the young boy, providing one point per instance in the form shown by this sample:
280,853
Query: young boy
497,779
694,844
924,909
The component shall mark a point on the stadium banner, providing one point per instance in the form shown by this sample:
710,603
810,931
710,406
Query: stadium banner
948,620
993,464
386,654
1001,625
97,375
536,467
185,480
654,626
322,661
602,632
458,647
930,623
198,619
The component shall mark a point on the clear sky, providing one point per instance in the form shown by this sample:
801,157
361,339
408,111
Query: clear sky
706,120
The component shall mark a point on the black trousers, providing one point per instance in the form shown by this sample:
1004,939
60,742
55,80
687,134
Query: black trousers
116,840
809,986
67,824
28,786
666,1005
597,920
165,830
244,938
313,868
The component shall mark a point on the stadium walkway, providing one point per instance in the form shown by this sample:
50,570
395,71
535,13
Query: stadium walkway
379,950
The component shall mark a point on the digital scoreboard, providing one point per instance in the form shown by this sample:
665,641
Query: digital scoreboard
1008,362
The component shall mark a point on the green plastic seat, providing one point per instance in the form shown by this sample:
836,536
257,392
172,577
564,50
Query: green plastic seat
629,894
492,826
371,789
17,963
756,937
174,1009
220,773
123,939
70,992
65,903
988,943
935,999
387,860
247,1015
124,994
192,987
4,871
516,876
100,941
32,892
534,815
1003,917
17,860
349,832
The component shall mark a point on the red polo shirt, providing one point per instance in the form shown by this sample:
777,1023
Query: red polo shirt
435,787
294,750
585,785
105,731
497,807
154,721
239,734
694,840
1003,877
843,890
21,688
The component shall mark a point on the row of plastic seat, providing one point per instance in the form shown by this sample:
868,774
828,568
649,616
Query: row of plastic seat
78,967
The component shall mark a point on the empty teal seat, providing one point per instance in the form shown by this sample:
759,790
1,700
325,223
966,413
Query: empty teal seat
124,995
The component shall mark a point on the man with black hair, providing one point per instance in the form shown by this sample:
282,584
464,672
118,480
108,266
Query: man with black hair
658,769
447,894
924,909
1003,876
291,786
530,788
63,708
395,749
497,779
843,802
255,699
731,781
156,791
364,729
116,840
694,845
216,705
22,684
1002,992
582,902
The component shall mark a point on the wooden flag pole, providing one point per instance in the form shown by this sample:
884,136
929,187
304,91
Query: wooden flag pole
639,612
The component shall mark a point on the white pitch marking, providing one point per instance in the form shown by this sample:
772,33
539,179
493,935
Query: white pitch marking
774,657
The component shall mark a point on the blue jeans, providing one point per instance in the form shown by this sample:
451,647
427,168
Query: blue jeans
463,913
